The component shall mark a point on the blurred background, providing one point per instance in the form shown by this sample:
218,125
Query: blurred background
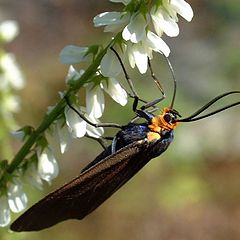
192,191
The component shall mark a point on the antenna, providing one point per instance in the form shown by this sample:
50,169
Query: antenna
174,79
194,117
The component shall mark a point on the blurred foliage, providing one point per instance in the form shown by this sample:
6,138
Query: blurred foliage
191,191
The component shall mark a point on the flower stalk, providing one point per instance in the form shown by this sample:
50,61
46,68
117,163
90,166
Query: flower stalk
51,117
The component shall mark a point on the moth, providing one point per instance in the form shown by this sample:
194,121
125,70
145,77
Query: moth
131,149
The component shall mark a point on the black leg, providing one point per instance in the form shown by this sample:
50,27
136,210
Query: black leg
152,103
134,94
159,85
101,140
125,73
96,125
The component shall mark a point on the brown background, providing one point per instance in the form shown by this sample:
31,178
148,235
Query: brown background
193,190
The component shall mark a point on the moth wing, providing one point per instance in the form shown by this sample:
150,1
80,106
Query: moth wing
86,192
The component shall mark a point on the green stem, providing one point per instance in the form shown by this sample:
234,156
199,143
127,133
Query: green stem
19,157
49,118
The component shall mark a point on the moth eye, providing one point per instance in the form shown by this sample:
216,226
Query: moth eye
167,117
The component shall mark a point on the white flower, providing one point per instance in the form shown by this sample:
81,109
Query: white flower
113,21
22,133
64,136
5,216
116,92
17,199
182,8
164,23
32,175
74,54
73,75
8,30
135,30
47,164
94,100
11,75
19,134
93,131
139,53
76,125
79,127
165,17
156,44
110,66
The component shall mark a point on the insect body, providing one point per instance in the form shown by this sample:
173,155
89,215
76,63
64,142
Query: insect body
136,145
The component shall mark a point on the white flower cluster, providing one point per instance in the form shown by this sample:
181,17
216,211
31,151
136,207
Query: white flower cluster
107,82
135,24
137,43
11,79
13,197
15,200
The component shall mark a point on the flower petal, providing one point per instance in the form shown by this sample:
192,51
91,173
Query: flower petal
32,175
135,30
76,125
140,56
107,18
73,74
5,216
93,131
182,8
164,23
114,89
74,54
19,135
157,44
110,66
130,55
94,101
113,21
47,165
17,199
63,135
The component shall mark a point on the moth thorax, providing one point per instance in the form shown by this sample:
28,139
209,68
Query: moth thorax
165,121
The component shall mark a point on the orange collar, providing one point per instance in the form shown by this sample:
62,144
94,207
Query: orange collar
158,124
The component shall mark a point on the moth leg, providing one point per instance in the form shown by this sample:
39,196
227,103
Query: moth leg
101,140
141,113
155,79
152,104
114,144
129,81
133,93
96,125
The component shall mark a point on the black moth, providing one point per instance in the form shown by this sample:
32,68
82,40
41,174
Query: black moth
101,178
132,148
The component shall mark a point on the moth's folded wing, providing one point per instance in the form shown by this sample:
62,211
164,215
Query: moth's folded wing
85,193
